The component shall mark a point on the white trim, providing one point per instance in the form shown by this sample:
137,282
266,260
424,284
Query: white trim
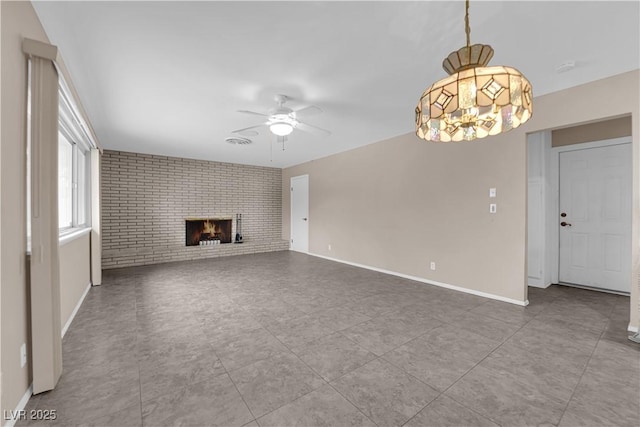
21,405
633,328
594,288
541,286
73,234
75,310
593,144
553,199
428,282
538,154
72,112
552,206
300,252
291,211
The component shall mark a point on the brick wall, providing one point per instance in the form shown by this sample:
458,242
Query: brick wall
146,198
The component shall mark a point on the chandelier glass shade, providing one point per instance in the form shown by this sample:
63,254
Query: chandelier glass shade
475,101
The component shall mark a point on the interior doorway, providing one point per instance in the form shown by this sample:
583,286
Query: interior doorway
595,215
300,214
587,185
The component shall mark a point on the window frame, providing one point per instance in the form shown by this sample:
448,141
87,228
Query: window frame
72,129
70,225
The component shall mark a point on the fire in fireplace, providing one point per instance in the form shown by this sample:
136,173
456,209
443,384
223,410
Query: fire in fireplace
208,231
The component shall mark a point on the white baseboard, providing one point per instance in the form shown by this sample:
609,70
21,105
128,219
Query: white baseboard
537,285
633,328
428,282
14,416
75,310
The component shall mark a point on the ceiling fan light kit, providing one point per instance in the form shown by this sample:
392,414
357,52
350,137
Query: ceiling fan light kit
475,101
281,128
282,120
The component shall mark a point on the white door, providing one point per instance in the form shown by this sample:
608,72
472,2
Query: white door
300,213
595,217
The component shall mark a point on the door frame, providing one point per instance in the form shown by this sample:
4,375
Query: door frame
306,177
553,202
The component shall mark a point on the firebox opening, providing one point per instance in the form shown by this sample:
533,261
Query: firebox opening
208,230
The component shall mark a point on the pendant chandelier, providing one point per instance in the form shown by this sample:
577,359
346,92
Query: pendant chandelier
475,101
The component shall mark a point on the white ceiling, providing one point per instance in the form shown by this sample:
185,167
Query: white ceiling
168,77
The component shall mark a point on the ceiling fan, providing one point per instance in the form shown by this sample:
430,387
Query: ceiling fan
282,120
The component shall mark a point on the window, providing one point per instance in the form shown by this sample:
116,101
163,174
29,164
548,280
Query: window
82,181
73,170
74,164
65,182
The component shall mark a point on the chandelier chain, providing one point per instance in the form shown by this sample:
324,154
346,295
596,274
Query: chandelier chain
467,28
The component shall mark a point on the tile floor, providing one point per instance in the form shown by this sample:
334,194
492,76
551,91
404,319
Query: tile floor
285,339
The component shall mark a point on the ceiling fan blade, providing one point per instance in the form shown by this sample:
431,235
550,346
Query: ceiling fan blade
314,130
253,113
249,128
308,111
246,132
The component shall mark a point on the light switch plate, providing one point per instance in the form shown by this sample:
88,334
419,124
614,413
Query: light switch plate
493,208
492,192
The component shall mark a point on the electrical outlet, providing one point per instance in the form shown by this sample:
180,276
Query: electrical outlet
23,355
432,265
329,246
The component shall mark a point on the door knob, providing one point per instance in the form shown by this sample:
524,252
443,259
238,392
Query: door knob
304,219
565,224
563,214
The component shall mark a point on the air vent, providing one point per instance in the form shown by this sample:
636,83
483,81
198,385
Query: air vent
238,141
566,66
